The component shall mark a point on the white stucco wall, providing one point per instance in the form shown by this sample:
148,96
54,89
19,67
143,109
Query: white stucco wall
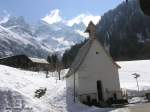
97,67
70,83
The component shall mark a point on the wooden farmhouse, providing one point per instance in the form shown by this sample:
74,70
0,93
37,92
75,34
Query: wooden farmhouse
25,62
93,75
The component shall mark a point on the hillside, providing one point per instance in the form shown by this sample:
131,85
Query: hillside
126,30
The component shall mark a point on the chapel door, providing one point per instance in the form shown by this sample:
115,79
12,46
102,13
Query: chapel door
99,90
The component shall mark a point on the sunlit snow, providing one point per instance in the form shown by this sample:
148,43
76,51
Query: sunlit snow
15,83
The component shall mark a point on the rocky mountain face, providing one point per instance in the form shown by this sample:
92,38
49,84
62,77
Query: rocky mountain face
59,36
19,37
16,38
126,31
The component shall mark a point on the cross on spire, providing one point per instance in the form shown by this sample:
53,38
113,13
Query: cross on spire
91,29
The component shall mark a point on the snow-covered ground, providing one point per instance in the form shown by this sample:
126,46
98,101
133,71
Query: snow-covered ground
141,67
17,89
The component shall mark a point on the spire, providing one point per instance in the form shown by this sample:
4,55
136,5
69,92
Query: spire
91,29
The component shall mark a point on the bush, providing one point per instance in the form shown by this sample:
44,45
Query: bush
40,92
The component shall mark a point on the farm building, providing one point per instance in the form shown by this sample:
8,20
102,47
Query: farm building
93,76
24,62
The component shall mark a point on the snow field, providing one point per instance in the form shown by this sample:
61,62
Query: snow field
57,97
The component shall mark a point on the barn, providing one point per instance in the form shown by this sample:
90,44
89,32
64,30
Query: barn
25,62
93,76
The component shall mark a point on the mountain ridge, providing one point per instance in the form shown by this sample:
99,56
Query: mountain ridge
42,38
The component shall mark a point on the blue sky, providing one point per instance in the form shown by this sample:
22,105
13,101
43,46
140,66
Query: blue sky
33,10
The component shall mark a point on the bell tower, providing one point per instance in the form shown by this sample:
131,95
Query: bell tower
91,29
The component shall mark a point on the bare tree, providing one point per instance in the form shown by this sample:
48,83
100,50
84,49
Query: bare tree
59,66
46,72
136,76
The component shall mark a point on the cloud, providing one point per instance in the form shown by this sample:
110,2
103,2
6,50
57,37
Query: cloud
5,17
53,17
85,18
82,33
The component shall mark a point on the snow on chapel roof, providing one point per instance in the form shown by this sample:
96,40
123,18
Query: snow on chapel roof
84,50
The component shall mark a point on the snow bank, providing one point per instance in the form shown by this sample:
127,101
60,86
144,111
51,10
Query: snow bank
135,100
24,83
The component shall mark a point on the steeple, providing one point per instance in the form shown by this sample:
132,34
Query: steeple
91,29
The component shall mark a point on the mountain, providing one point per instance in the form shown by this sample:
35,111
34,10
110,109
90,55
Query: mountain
58,36
12,44
39,40
126,30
